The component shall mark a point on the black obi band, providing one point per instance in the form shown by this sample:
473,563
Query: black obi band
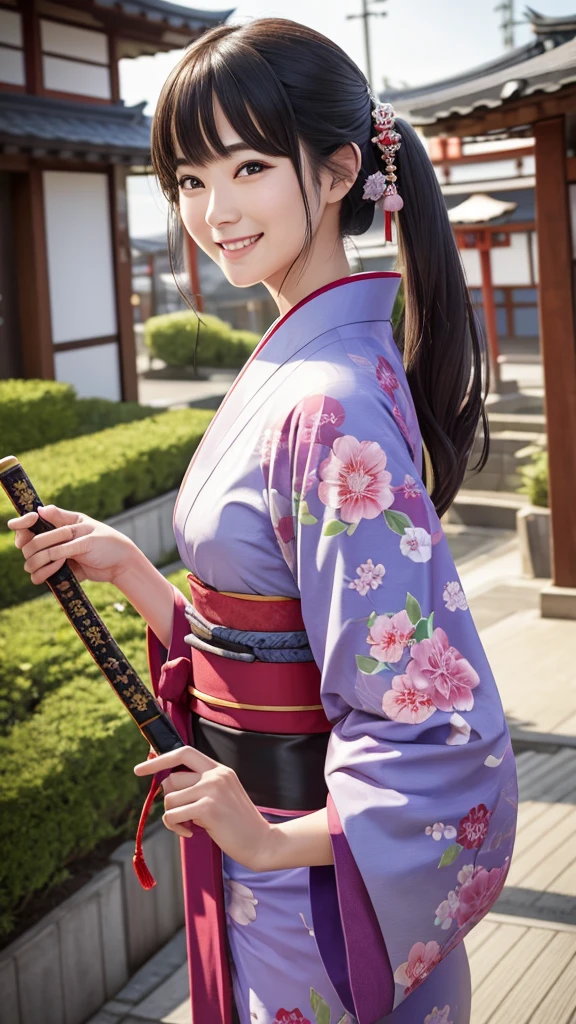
278,770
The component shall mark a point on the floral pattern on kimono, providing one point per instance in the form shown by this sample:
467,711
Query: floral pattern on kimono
419,744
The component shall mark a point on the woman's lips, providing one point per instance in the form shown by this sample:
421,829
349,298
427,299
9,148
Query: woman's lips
235,254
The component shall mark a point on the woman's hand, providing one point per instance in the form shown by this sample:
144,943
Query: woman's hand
93,550
210,795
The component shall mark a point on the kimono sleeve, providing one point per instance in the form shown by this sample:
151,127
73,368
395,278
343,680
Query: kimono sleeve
171,670
421,776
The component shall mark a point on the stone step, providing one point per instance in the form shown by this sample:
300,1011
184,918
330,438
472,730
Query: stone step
496,509
528,422
493,479
509,441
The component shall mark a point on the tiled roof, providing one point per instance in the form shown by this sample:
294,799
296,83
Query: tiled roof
171,14
549,71
74,128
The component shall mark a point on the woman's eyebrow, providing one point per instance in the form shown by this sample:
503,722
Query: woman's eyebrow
234,147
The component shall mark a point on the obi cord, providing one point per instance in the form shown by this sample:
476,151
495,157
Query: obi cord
378,185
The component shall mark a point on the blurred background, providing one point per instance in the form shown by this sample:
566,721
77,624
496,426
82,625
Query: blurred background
99,394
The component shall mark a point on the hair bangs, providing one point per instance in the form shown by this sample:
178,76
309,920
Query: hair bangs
259,111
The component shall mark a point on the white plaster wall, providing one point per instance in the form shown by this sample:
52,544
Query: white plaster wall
511,264
11,27
12,66
471,263
73,42
80,257
94,372
75,77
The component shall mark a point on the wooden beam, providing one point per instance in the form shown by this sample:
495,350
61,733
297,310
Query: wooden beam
571,168
123,279
490,317
477,158
557,340
32,273
514,114
32,48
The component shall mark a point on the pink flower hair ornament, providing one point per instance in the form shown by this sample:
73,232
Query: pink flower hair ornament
383,186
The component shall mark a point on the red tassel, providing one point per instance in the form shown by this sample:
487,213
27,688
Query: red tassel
388,225
143,873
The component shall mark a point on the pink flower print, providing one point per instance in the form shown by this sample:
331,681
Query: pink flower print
446,912
479,893
386,377
241,903
443,673
465,873
389,635
355,480
416,543
290,1016
454,597
439,829
403,426
403,703
473,829
410,487
370,577
422,959
438,1016
321,417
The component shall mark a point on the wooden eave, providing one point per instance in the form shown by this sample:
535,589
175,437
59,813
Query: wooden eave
517,115
136,34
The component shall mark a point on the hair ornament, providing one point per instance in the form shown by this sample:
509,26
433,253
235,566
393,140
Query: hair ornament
383,186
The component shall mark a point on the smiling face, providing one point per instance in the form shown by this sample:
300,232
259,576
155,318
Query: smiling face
246,211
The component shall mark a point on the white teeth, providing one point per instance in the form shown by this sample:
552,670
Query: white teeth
240,245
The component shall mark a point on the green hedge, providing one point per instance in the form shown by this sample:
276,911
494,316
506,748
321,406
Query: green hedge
38,412
103,474
535,479
172,338
66,778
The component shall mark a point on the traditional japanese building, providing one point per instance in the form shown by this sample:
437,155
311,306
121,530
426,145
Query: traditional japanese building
67,144
529,97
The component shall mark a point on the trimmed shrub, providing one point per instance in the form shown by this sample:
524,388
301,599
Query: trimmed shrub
101,475
66,779
38,412
35,412
535,479
172,338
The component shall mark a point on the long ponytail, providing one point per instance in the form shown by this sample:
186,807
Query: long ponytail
443,347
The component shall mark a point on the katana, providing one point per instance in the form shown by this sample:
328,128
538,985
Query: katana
153,722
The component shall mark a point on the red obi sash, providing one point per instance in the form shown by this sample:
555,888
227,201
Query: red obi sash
249,696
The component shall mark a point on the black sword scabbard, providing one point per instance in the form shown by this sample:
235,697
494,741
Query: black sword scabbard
153,722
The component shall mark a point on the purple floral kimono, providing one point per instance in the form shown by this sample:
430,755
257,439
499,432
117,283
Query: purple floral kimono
308,484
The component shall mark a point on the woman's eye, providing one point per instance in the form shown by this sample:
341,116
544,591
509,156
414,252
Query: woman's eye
253,167
194,182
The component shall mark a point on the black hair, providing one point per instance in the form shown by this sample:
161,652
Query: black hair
286,88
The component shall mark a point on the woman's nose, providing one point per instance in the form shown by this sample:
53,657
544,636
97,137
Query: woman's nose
221,210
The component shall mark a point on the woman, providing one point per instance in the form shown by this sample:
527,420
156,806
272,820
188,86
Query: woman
328,628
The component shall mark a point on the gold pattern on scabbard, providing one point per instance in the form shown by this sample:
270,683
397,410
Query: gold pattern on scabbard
24,494
94,636
77,608
137,700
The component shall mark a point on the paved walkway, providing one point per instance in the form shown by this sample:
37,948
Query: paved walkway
523,955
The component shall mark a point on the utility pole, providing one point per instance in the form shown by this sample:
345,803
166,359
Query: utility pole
508,22
365,15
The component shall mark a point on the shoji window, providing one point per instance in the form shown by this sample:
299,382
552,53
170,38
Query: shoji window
12,71
75,60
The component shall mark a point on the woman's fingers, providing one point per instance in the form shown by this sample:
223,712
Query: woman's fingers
48,570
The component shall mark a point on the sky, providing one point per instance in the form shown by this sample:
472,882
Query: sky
417,42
